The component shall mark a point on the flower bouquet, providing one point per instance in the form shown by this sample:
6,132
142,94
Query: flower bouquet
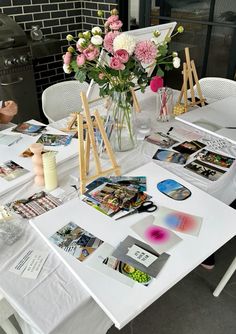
117,63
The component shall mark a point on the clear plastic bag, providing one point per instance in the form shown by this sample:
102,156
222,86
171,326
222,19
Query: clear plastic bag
11,227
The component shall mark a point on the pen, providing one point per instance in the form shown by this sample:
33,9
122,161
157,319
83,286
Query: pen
170,129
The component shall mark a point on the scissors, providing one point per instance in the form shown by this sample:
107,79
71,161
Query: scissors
147,206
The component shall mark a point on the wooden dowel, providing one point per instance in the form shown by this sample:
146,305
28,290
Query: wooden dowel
135,101
106,141
202,99
190,77
185,75
81,154
87,152
91,132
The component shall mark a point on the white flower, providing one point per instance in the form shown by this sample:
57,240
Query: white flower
174,54
125,42
176,62
81,42
97,40
96,31
67,69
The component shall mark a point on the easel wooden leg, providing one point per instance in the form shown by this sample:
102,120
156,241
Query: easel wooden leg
82,168
199,91
190,77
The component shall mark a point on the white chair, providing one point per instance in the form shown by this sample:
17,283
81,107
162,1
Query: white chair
5,312
62,98
214,88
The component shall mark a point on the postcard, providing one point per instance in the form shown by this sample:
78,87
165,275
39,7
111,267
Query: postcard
189,147
76,241
29,129
140,255
128,270
207,171
159,238
215,158
9,140
34,205
170,156
10,170
178,221
54,140
161,139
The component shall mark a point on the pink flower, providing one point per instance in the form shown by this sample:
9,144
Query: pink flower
145,51
122,55
156,83
80,60
79,48
111,19
67,58
91,52
116,25
116,64
108,40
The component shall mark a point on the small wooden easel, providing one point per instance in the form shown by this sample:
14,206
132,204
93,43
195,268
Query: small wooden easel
189,76
84,148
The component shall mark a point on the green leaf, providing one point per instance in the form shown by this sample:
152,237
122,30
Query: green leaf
80,75
160,72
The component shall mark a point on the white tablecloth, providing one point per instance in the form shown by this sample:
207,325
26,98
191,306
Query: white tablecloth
55,302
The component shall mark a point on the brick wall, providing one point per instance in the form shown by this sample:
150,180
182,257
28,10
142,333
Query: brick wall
57,18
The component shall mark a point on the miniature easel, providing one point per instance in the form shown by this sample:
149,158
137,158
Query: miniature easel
84,148
189,76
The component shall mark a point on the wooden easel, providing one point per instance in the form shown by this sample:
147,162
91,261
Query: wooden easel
189,76
84,148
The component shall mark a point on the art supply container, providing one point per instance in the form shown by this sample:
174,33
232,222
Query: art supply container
37,150
164,104
50,171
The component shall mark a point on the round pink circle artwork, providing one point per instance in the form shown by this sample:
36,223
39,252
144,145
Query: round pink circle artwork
156,234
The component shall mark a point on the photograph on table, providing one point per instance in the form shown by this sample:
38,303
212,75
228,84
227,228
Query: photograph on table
29,129
161,139
189,147
170,156
215,158
173,189
54,140
76,241
207,171
178,221
128,270
159,238
10,170
140,255
34,205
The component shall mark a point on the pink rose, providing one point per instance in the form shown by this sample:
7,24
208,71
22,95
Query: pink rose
67,58
108,40
156,83
122,55
116,64
111,19
91,52
80,60
79,48
116,25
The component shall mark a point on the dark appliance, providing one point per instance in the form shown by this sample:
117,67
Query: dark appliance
16,70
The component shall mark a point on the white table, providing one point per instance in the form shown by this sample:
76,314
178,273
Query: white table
34,301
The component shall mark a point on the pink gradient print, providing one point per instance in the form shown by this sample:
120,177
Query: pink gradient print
180,222
156,234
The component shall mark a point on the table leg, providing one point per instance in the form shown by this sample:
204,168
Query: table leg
225,278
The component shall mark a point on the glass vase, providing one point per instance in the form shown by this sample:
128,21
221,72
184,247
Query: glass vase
120,123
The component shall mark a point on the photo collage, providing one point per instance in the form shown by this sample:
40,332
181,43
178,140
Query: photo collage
192,155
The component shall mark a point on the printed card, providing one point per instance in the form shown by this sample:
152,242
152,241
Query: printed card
207,171
48,139
170,156
178,221
189,147
29,129
215,158
158,237
161,139
10,170
76,241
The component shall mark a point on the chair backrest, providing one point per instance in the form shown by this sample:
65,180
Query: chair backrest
62,98
214,89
